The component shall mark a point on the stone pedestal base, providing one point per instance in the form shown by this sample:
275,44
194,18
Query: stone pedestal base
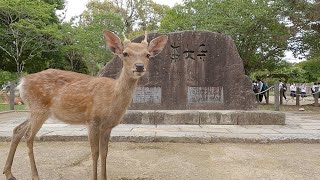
204,117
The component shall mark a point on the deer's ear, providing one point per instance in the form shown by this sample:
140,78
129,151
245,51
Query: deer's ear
157,44
113,42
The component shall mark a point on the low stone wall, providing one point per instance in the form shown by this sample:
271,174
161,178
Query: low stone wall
204,117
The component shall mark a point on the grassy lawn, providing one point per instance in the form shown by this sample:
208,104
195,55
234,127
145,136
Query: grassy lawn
6,107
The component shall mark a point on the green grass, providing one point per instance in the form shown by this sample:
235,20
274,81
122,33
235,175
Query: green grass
6,107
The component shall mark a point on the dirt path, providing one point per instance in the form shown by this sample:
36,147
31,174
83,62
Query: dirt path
307,101
72,161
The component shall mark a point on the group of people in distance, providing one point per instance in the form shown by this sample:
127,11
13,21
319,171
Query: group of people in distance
293,91
316,85
259,87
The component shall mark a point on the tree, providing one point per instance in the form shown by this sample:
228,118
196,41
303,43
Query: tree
72,56
304,19
6,76
27,30
136,15
149,14
254,25
88,34
312,68
118,16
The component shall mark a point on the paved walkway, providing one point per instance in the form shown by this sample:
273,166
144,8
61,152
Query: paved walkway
302,127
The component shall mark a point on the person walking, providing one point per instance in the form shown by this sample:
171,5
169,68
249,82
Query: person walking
264,91
255,86
260,84
293,90
283,87
314,87
303,91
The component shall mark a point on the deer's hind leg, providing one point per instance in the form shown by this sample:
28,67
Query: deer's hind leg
36,122
18,133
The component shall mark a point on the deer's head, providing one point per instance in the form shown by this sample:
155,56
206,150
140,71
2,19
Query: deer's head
135,56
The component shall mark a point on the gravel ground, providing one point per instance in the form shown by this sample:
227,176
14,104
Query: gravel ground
128,161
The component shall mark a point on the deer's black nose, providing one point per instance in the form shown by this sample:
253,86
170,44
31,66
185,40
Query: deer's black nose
139,67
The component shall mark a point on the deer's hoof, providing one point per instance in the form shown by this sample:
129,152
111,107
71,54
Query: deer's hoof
12,178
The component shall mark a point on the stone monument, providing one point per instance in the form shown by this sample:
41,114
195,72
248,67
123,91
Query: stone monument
196,70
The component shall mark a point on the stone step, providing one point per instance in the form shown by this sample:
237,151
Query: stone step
204,117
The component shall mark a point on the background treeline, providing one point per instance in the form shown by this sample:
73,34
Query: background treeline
34,37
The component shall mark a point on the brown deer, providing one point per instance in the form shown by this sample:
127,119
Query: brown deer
6,98
98,102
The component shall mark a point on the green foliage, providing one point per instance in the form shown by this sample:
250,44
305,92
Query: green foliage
311,68
136,15
260,37
305,29
295,74
59,4
148,14
6,76
71,55
88,35
177,19
86,40
28,29
303,72
33,38
304,18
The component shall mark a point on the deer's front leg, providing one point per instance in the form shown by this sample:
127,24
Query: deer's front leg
94,132
104,140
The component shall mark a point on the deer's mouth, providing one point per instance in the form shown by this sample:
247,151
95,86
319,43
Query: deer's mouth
138,73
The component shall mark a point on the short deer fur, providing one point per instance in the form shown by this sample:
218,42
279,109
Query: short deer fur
98,102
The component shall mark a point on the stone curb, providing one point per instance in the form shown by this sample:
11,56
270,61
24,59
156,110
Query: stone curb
175,139
199,117
300,129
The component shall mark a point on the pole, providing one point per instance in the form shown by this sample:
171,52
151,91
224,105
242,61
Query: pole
281,96
267,97
12,94
316,97
298,92
276,96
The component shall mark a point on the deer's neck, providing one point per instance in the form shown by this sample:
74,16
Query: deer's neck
124,89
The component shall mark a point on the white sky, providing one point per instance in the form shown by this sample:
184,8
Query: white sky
76,7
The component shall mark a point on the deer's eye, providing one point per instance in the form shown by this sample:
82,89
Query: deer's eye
125,54
148,55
